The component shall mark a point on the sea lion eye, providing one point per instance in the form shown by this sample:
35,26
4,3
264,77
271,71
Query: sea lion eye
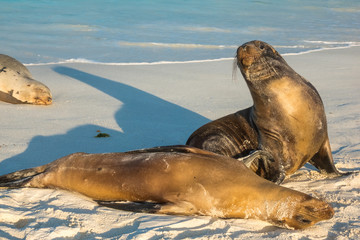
302,219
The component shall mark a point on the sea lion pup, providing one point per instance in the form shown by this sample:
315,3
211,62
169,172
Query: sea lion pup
18,86
184,180
287,119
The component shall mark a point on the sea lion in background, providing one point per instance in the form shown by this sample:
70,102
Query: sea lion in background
287,119
183,180
18,86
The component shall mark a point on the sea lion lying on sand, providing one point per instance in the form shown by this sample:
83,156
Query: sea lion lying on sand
18,86
183,180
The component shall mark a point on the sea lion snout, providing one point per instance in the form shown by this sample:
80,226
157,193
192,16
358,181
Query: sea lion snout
246,54
43,101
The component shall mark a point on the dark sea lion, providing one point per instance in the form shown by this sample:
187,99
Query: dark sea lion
18,86
183,180
287,119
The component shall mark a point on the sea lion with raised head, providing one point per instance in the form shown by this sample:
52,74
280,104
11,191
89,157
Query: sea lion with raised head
287,119
183,180
18,86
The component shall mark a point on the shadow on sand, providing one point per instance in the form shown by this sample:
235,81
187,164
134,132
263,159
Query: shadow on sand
146,121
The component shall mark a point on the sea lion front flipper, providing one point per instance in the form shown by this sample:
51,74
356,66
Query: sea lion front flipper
5,97
324,161
178,208
258,154
264,165
139,207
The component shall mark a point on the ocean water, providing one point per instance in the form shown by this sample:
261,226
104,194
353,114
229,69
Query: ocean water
135,31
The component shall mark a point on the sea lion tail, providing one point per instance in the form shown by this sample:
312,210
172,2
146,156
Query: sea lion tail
19,179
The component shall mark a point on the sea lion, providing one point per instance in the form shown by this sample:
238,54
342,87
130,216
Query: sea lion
183,180
287,119
18,86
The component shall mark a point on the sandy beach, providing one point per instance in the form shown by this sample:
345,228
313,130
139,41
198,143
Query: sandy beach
147,105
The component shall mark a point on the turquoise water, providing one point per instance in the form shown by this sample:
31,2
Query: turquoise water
43,31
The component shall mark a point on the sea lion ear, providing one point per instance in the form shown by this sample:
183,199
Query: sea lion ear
274,51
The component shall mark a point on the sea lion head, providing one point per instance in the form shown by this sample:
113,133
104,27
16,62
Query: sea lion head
304,211
259,61
40,94
32,92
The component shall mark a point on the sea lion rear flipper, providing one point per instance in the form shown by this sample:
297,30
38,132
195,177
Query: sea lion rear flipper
324,161
20,178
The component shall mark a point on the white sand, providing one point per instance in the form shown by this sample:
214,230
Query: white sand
149,105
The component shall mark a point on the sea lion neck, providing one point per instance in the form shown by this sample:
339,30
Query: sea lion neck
263,93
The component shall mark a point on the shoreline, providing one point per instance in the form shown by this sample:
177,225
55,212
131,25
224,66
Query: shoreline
87,61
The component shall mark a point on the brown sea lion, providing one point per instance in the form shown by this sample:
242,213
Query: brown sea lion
18,86
183,180
287,119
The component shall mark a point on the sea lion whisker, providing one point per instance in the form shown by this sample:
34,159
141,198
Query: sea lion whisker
234,70
270,66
